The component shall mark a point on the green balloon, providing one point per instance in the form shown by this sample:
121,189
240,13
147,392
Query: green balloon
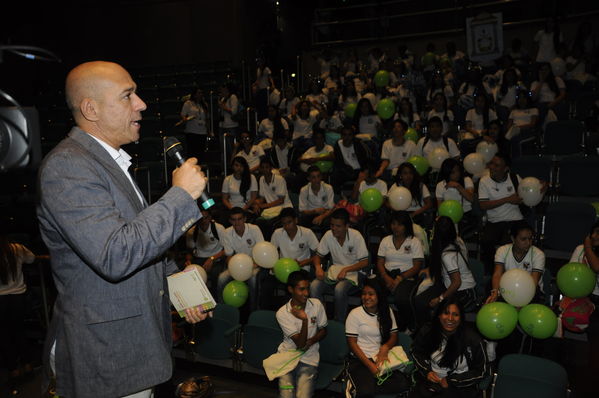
385,108
538,321
496,320
371,199
576,280
412,135
452,209
381,78
235,293
324,165
350,109
420,163
283,267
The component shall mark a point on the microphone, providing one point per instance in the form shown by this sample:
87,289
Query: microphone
174,150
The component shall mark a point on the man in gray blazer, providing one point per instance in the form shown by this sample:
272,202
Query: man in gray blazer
110,334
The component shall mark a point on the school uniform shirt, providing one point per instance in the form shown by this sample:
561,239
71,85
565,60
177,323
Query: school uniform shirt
309,200
544,92
365,327
233,243
489,189
232,103
460,365
397,155
533,260
267,126
400,257
349,155
17,285
477,120
353,249
578,256
441,115
291,326
379,185
299,248
546,46
332,123
282,156
205,244
303,127
275,190
424,150
521,117
197,125
231,186
253,157
508,99
406,119
443,193
286,106
367,125
415,205
454,261
312,152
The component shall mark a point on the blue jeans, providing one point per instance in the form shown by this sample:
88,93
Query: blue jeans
341,289
299,383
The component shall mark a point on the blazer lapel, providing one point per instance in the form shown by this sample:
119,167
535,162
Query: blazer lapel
101,155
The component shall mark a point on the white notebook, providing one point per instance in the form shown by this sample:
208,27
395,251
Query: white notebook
188,290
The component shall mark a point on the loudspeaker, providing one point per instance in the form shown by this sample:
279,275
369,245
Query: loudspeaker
20,144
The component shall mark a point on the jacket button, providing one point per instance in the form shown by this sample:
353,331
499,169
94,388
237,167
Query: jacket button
162,292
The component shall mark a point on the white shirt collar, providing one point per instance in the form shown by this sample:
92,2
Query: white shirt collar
122,158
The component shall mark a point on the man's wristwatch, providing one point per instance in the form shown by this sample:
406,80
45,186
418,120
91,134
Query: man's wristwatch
441,298
211,258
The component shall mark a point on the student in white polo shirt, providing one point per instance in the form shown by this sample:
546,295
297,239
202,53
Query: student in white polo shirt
241,237
250,152
449,270
348,256
371,332
396,150
399,260
272,197
319,152
204,240
521,254
499,198
316,200
435,139
294,241
303,321
369,180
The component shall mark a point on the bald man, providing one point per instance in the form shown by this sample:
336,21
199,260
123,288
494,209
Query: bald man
110,334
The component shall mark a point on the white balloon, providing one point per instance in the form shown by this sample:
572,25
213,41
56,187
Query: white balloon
241,267
436,157
202,272
529,189
265,254
517,287
487,149
400,198
474,163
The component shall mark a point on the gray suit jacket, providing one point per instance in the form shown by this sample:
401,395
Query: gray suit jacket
111,320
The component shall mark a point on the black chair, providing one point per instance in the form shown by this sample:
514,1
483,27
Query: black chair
563,137
565,225
573,176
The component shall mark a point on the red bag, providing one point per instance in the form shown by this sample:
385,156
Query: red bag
576,313
356,212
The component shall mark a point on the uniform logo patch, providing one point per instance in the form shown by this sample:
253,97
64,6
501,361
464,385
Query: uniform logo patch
301,245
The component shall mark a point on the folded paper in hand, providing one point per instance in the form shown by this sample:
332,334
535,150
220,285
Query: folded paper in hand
397,359
187,290
334,270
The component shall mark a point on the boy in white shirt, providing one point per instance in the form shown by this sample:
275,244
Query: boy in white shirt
320,151
303,321
348,256
241,237
396,150
435,139
272,197
294,241
316,200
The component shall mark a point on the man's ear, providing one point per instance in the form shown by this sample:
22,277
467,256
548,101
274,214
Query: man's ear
89,109
290,290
